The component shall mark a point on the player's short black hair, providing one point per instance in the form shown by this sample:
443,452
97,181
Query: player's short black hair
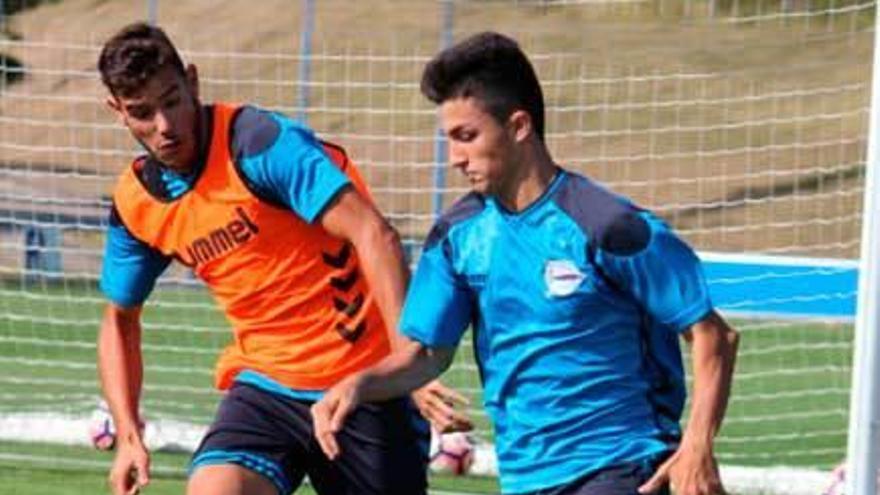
135,54
491,68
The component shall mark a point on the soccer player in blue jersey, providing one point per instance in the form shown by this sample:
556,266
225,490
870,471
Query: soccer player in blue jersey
577,299
280,228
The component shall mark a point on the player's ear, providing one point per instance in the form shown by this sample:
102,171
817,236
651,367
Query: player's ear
115,106
192,80
520,125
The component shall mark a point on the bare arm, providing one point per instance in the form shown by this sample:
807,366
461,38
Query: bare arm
409,367
353,218
713,348
120,366
692,469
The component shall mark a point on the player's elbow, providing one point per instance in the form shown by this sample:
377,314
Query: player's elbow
377,235
440,359
388,236
425,362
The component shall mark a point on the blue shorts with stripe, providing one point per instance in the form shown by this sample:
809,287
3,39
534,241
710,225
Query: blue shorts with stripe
384,445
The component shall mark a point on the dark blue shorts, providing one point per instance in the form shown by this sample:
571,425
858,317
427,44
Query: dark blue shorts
624,479
384,445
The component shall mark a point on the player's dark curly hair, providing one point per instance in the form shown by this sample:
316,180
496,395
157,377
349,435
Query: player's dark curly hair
491,68
135,54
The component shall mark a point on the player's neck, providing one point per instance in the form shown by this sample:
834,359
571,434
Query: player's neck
535,175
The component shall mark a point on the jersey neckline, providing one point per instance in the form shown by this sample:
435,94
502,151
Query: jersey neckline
551,188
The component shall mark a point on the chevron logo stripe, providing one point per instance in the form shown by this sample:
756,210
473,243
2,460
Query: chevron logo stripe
350,334
350,309
345,283
338,260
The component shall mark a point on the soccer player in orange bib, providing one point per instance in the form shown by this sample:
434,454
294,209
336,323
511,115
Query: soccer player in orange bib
280,227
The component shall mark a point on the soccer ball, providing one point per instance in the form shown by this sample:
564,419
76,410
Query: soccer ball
101,430
838,480
453,454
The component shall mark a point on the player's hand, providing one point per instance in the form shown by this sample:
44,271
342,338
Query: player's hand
329,413
437,403
131,468
690,470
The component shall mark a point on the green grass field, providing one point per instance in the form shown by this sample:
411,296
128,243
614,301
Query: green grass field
789,405
89,477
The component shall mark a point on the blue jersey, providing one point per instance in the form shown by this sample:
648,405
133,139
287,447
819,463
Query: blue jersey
576,305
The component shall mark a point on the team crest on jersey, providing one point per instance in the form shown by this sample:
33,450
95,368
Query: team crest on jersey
562,277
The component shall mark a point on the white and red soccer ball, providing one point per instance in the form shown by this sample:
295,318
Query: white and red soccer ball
838,480
452,453
102,432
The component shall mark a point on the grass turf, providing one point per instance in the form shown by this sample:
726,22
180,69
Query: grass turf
789,404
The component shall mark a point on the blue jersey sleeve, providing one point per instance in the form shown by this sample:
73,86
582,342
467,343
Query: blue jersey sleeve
130,267
664,275
438,306
283,161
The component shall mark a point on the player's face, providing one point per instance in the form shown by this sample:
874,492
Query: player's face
480,146
163,116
